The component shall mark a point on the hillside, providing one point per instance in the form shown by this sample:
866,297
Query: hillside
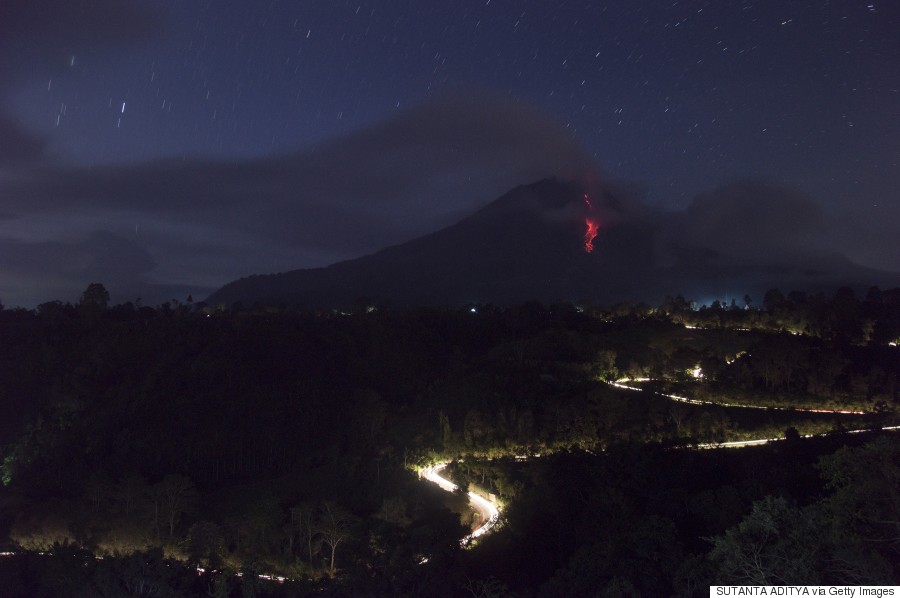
531,244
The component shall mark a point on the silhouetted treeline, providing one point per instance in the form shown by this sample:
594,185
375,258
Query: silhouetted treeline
221,396
642,520
841,317
284,439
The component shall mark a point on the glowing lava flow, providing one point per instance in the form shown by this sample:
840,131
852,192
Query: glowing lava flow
590,234
592,227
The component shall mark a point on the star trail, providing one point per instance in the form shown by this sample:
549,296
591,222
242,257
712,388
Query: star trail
189,121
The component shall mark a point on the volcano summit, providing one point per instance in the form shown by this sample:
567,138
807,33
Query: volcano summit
561,241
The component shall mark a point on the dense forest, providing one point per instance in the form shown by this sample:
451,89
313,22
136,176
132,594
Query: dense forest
273,441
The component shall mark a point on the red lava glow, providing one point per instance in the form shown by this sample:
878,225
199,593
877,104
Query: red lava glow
592,226
590,234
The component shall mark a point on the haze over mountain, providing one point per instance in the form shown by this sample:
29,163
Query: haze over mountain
573,241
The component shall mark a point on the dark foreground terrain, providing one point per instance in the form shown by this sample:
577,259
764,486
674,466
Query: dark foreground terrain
281,442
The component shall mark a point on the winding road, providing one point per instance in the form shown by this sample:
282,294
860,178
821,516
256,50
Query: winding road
490,513
487,510
621,384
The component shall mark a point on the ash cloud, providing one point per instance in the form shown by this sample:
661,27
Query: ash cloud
208,222
751,221
415,173
416,163
212,221
746,237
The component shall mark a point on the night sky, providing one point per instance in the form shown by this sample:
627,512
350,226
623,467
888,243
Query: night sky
167,147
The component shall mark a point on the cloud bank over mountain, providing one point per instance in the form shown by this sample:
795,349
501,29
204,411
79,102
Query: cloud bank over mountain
207,221
558,240
153,229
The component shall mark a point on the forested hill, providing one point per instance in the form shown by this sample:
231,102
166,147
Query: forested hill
214,394
212,434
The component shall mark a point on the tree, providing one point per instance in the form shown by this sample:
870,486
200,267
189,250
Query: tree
679,413
476,429
146,573
845,316
303,523
393,510
250,585
851,536
95,295
865,499
171,498
206,544
605,365
260,525
772,300
446,431
54,310
486,588
334,525
776,544
129,493
97,489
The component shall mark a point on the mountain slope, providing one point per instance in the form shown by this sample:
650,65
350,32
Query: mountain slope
530,244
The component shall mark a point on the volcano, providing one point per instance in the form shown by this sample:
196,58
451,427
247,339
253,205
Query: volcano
548,241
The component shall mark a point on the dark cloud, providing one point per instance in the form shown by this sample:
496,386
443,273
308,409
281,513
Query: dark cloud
101,255
207,222
752,221
417,172
744,237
